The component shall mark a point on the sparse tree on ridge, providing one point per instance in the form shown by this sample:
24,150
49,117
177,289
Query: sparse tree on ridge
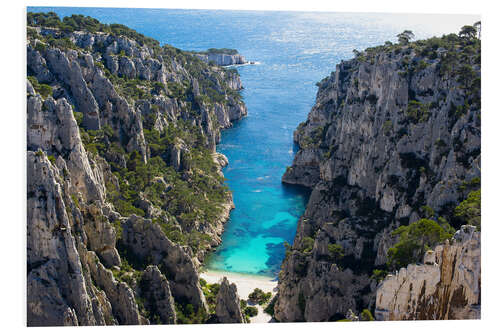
405,37
468,32
477,25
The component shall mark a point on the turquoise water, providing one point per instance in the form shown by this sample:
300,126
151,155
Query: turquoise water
294,50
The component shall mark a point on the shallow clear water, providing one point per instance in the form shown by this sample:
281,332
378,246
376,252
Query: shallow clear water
295,50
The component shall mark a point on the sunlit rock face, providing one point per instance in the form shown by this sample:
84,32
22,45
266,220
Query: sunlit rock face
383,139
89,264
446,286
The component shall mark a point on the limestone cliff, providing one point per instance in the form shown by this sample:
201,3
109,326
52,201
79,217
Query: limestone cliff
125,189
228,304
393,130
446,286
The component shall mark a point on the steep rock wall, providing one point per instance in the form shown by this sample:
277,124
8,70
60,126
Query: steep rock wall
393,130
90,263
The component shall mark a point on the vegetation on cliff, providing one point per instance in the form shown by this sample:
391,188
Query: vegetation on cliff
138,124
220,51
414,240
86,23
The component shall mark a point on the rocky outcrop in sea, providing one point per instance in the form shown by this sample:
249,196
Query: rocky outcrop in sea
393,131
222,59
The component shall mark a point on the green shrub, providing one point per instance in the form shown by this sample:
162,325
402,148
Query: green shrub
366,315
75,200
32,33
210,291
221,51
78,117
469,210
40,47
49,19
258,296
52,159
307,244
251,311
288,248
43,89
186,314
473,184
176,90
426,212
158,87
417,112
269,309
336,251
243,307
63,43
421,65
126,208
414,240
122,30
378,275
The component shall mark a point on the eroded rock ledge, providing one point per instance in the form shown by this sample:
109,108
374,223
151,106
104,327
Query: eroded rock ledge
446,286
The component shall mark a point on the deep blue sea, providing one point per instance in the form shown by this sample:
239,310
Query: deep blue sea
294,50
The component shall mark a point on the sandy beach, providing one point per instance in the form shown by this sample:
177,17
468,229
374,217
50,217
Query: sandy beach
246,283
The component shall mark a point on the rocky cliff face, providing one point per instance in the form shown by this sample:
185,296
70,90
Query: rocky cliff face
125,190
446,286
393,130
228,304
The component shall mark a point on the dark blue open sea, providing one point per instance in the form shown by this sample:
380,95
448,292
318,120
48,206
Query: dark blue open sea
294,50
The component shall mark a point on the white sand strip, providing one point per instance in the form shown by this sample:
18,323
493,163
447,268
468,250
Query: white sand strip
245,283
